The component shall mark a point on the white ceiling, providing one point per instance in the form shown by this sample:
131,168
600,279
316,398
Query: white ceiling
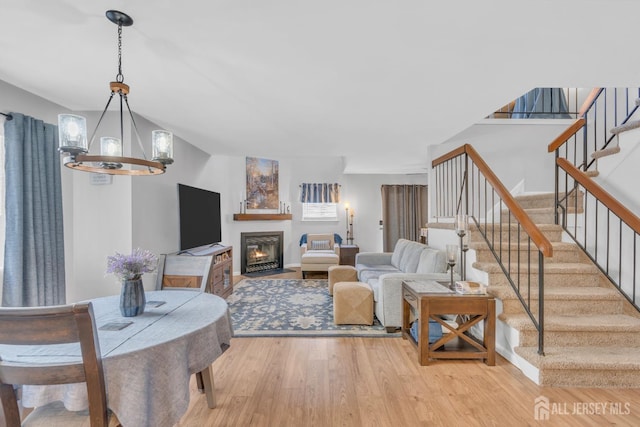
375,81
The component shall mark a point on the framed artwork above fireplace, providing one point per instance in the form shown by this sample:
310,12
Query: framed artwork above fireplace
262,186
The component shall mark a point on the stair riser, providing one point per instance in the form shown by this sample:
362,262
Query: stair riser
485,255
566,307
495,235
545,217
542,218
536,217
582,339
546,201
538,202
621,378
550,279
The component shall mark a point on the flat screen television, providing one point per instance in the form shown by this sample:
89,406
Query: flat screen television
200,221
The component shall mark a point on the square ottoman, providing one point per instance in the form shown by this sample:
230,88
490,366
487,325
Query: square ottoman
352,303
341,273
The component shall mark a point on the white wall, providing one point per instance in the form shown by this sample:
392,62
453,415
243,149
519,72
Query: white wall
619,172
227,175
516,150
155,214
143,211
365,190
102,219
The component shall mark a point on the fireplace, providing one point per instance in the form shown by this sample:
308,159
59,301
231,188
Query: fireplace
261,251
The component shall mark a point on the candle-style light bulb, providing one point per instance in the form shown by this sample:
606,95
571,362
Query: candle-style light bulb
452,253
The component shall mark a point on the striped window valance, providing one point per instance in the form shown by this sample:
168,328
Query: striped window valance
320,193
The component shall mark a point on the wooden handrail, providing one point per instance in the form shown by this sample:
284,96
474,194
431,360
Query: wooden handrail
595,92
450,155
565,135
529,226
539,239
571,130
601,195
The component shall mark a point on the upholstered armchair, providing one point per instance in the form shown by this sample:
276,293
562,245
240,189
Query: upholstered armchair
318,253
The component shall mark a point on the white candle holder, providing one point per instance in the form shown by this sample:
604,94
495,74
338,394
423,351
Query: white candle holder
462,230
452,255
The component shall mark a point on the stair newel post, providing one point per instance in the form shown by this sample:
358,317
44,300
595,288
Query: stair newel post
585,138
556,199
540,303
466,183
463,231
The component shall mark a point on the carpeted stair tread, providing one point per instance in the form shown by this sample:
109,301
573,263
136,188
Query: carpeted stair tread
561,293
557,246
625,127
549,268
595,323
607,358
605,152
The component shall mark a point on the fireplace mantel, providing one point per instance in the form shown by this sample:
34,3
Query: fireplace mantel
261,217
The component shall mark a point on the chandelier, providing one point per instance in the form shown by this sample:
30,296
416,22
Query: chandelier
72,132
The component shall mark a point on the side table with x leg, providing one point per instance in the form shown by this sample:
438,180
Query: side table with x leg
458,343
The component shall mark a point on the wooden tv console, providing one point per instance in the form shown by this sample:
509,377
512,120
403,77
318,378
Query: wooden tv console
220,281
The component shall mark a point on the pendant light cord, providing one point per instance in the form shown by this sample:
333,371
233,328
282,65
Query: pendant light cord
120,76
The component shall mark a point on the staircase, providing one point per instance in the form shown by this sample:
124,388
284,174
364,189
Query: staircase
592,334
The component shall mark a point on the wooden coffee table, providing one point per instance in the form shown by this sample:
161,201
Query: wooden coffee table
422,302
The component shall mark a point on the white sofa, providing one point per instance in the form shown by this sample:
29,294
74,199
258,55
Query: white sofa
384,272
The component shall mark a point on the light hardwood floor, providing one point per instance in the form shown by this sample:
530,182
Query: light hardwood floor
378,382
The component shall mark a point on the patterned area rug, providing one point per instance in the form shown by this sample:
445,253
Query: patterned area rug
290,307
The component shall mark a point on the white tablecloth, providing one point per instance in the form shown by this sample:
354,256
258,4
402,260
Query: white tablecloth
147,364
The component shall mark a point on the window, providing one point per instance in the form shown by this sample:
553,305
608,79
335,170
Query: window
319,212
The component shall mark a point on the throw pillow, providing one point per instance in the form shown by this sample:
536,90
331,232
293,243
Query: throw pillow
319,245
432,261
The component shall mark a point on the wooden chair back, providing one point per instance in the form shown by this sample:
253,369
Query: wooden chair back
184,272
64,324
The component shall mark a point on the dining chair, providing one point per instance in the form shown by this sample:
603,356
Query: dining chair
42,326
184,272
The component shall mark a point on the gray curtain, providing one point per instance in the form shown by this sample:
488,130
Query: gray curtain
404,212
320,193
542,103
34,239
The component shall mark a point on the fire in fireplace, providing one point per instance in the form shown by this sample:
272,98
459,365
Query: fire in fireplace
261,251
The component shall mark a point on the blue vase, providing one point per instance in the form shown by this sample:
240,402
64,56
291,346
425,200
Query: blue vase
132,298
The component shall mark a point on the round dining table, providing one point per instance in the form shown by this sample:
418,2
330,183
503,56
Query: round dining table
147,359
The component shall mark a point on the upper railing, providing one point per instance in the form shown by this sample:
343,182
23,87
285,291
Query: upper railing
547,103
604,109
599,224
464,183
605,229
